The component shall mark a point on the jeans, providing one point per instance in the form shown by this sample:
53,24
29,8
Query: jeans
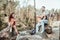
41,23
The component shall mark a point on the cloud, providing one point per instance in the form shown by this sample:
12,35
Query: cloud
49,4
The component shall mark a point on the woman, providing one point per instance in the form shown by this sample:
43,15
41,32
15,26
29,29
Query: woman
12,24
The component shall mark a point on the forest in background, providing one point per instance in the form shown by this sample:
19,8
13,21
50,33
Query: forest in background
24,16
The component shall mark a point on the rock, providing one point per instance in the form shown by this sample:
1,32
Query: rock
4,32
39,36
4,38
24,38
48,29
28,37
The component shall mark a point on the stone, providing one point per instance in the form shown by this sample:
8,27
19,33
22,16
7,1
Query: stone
24,38
48,29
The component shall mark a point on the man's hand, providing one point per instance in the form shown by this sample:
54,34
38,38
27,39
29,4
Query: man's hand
38,18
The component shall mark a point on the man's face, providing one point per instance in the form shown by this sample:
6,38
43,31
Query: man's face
43,8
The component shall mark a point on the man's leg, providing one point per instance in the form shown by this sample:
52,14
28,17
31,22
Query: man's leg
42,26
45,21
42,23
37,27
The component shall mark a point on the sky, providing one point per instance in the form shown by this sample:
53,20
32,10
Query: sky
49,4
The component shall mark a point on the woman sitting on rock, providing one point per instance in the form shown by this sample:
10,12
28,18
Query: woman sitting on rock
12,24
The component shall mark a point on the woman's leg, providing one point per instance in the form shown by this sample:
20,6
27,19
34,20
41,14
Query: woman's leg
15,29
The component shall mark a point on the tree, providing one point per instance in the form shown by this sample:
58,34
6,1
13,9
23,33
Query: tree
6,7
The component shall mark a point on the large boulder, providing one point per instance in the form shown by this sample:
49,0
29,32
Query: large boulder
6,34
48,29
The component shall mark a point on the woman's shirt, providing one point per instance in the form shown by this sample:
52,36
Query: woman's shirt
12,21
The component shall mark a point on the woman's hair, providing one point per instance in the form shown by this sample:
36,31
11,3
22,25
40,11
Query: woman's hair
11,16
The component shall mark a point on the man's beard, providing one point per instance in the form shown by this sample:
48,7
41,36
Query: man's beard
43,10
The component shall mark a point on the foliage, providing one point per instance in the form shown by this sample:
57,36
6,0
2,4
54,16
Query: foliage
25,15
6,7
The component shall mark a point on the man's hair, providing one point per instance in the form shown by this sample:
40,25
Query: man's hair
43,6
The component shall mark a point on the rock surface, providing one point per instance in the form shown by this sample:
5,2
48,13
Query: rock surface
38,36
25,35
